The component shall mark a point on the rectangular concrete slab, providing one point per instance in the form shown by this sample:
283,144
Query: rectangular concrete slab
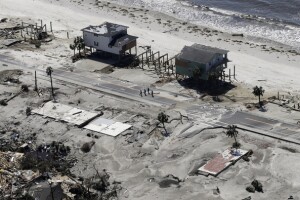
115,129
107,126
65,113
98,124
222,161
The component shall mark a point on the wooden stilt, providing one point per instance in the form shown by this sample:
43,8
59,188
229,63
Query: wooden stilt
142,61
51,27
234,71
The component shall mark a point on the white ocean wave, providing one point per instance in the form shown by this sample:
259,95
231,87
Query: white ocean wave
223,20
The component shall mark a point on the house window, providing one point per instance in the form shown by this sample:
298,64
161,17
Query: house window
96,43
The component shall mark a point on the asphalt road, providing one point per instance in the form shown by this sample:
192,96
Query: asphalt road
114,86
266,126
282,129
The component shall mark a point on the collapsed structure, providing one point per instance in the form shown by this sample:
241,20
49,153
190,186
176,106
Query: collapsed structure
109,37
200,61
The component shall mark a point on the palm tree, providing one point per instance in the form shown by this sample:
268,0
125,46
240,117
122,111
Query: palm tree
49,71
258,91
73,47
163,118
232,132
81,44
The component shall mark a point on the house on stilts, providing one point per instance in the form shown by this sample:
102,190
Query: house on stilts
110,38
200,61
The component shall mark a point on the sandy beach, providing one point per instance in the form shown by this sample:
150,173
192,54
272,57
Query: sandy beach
253,61
141,161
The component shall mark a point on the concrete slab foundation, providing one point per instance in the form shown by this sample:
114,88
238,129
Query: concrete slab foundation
222,161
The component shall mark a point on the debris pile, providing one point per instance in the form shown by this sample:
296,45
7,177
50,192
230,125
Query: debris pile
43,172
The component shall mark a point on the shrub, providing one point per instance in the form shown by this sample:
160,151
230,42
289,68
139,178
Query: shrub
28,111
24,88
3,102
250,189
86,147
37,44
257,185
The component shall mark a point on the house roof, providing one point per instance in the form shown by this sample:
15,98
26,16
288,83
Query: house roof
106,29
199,53
124,40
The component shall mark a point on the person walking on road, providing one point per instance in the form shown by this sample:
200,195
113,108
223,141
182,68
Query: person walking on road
152,93
148,90
145,92
141,93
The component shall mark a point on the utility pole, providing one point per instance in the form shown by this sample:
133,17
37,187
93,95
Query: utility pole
35,81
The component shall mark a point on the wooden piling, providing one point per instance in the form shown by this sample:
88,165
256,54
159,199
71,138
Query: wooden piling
234,71
51,27
142,60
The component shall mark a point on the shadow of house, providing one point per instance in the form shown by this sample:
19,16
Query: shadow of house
114,60
210,87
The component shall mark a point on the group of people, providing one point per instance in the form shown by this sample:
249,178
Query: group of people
146,91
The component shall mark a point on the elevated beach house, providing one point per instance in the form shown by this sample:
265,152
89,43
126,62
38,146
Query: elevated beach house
202,61
109,37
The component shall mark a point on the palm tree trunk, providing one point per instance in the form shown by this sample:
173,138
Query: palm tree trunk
74,52
164,127
52,90
258,98
235,139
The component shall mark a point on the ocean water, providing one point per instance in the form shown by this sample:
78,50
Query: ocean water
277,20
